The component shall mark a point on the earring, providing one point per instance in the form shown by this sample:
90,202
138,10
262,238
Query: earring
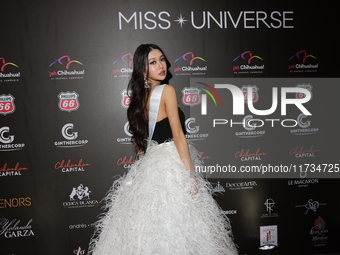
146,84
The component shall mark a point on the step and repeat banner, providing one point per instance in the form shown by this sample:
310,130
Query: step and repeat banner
257,81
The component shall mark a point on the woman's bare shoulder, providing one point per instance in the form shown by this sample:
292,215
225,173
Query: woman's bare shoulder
169,90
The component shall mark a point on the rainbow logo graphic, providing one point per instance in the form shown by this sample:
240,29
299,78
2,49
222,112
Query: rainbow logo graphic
4,64
68,61
302,55
129,56
211,93
191,61
247,55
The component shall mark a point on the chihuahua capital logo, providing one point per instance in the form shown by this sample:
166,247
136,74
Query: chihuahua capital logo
247,62
188,64
123,66
302,62
65,71
5,74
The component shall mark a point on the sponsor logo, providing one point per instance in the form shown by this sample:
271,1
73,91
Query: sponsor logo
6,141
202,158
305,86
304,126
6,170
15,202
191,96
269,204
15,229
241,185
302,183
128,138
303,152
222,19
68,69
66,166
302,120
319,232
191,65
303,62
79,251
7,105
248,63
126,162
8,76
123,66
250,124
229,212
71,138
125,98
68,101
193,131
81,226
254,93
218,188
268,235
248,155
80,198
311,205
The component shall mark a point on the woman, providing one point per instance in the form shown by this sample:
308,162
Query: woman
161,206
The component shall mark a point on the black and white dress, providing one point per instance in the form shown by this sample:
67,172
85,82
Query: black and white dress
154,209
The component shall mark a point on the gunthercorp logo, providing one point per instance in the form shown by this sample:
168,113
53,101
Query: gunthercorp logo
193,130
303,62
7,105
251,128
248,63
8,71
66,68
68,101
122,67
7,141
70,137
127,139
189,64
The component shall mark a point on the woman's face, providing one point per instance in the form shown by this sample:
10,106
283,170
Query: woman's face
156,67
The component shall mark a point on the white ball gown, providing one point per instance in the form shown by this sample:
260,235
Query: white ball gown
160,208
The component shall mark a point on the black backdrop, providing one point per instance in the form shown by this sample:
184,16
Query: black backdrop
65,65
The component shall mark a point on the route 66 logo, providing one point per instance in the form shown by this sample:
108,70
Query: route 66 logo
68,101
254,97
6,104
191,96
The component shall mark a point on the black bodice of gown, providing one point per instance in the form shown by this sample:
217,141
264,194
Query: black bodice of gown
163,131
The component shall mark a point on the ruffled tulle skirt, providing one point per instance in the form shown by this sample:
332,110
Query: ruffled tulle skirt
160,208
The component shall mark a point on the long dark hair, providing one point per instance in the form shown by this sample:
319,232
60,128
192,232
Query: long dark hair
136,113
